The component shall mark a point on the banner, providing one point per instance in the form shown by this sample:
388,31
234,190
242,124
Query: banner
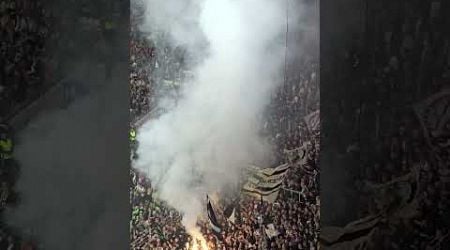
354,235
268,176
266,183
212,217
263,187
262,190
265,180
271,232
275,171
269,194
270,198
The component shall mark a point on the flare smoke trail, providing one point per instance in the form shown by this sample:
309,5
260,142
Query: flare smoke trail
201,145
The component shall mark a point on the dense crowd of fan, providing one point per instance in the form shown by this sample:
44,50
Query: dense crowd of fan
295,218
413,51
25,27
9,172
140,82
34,56
410,60
295,214
154,71
297,98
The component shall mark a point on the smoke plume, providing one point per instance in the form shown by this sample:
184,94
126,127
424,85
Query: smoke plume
201,145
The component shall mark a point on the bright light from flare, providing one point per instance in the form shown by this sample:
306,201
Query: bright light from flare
199,242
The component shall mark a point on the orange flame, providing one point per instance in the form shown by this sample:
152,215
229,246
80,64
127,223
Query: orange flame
199,242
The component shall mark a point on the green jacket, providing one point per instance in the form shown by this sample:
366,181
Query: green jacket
132,135
6,148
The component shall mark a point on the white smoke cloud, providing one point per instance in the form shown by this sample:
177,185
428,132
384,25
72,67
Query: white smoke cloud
201,145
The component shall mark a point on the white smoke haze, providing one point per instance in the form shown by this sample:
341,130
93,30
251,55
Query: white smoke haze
202,144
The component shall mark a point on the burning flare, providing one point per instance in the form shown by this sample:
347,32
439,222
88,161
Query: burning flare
198,242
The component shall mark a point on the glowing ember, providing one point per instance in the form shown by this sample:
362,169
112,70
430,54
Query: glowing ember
198,243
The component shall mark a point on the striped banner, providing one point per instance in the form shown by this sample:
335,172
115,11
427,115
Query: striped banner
275,171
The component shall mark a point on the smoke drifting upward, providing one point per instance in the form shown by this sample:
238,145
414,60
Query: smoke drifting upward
201,145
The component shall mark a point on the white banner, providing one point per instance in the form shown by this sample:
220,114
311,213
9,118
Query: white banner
271,232
270,198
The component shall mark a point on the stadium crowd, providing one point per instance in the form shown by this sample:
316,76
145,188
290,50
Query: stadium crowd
140,83
24,69
34,55
295,214
295,219
297,98
407,62
24,30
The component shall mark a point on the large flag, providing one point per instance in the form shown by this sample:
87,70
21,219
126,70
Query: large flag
212,218
354,235
264,193
270,198
268,175
266,183
275,171
261,179
262,190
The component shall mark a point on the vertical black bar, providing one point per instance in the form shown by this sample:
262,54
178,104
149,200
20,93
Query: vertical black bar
71,126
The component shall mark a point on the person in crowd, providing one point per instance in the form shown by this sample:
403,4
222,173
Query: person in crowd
295,215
